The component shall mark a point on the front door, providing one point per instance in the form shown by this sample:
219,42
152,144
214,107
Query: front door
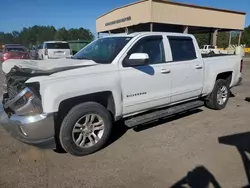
148,86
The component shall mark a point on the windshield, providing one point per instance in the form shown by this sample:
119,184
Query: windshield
103,50
57,45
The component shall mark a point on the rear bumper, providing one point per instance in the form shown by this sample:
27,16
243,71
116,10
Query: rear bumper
35,130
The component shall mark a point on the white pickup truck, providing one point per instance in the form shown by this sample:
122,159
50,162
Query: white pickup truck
137,77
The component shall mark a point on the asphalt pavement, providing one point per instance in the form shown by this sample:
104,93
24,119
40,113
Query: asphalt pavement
199,148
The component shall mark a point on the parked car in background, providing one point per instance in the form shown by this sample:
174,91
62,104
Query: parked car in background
209,49
14,51
54,50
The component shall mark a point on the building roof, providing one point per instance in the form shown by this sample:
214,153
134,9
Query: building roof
170,13
177,3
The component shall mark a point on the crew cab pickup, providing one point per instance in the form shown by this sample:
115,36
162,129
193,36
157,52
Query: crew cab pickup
136,77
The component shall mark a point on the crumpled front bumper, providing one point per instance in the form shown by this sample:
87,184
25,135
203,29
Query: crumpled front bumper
35,130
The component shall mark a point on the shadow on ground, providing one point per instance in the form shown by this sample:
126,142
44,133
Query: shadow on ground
200,177
242,142
119,128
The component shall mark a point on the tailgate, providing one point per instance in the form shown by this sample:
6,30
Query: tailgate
58,53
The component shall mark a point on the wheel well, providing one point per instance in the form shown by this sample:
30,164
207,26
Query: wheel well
104,98
225,76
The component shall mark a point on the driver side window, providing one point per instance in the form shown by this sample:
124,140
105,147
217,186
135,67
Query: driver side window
153,46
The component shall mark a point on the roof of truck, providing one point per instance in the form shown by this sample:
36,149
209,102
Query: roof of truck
143,33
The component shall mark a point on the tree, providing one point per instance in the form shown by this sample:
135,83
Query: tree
202,38
61,34
246,36
81,33
37,34
223,38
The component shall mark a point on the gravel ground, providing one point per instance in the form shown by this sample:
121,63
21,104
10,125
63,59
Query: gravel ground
159,154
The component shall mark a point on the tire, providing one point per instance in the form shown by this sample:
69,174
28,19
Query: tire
213,99
211,53
77,117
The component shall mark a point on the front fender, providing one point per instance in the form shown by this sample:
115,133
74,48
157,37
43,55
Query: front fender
54,92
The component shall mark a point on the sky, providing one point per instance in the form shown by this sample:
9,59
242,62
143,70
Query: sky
17,14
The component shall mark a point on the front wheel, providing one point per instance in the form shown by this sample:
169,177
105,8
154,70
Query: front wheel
219,97
85,129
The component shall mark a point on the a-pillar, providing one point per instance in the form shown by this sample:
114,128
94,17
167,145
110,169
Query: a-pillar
239,39
213,37
185,29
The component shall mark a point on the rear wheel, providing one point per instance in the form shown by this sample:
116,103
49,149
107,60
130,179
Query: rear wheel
219,97
85,129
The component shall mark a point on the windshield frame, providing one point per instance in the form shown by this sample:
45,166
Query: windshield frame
120,43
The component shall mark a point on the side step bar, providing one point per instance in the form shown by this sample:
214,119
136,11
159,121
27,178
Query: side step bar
144,118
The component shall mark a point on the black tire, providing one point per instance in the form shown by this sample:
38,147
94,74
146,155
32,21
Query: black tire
211,53
65,134
212,101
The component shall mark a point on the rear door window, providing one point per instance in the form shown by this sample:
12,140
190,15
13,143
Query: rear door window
57,46
182,48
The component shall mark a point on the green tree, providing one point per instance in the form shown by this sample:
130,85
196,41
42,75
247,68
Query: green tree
202,38
61,34
81,34
37,34
223,39
246,36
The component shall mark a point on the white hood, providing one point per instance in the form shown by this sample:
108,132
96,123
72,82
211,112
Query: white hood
44,64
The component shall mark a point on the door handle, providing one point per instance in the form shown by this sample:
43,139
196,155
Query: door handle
198,67
165,71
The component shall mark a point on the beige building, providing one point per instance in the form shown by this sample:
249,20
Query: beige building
165,15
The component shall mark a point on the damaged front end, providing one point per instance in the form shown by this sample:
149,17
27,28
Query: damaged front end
19,97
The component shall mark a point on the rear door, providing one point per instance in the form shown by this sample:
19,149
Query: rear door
147,86
186,69
57,49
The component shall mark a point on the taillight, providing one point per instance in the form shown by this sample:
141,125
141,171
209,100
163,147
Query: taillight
46,51
5,57
241,65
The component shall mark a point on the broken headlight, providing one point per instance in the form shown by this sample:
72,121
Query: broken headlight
25,103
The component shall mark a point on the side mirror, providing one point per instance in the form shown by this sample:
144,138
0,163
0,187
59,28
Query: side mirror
136,59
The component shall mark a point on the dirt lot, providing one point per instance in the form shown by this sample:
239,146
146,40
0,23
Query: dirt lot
157,155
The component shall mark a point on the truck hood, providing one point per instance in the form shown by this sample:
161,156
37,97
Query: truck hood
49,66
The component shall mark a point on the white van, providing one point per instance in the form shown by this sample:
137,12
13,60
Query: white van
54,50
